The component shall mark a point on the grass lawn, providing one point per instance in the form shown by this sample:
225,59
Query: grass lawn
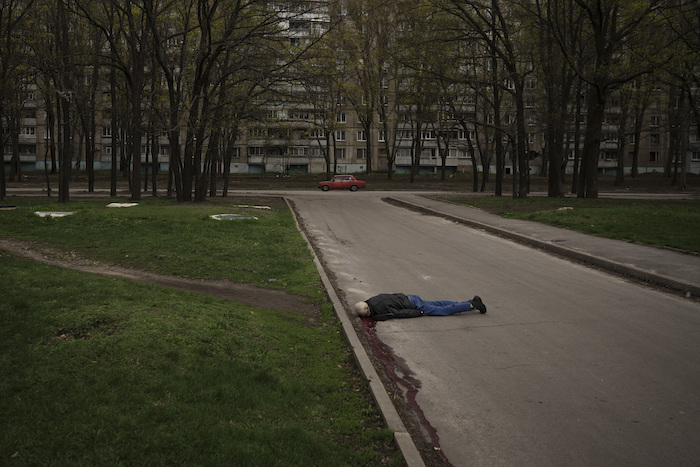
668,223
107,371
163,237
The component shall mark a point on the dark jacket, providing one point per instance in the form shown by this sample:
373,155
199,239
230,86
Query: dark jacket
395,305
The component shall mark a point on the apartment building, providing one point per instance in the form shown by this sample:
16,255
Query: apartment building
290,141
298,136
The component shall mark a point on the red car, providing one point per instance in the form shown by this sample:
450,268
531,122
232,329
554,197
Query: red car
342,182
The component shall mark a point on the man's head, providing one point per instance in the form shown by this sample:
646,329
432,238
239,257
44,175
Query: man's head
362,308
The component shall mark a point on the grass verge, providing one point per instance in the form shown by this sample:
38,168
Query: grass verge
667,223
106,371
166,238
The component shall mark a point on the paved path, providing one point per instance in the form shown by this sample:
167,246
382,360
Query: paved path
659,266
571,366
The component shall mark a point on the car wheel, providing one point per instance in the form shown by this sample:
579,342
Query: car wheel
325,188
353,188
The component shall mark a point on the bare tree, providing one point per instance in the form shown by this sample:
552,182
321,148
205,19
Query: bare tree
557,81
499,26
124,27
611,30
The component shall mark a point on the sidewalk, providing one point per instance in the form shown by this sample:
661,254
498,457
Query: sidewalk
662,267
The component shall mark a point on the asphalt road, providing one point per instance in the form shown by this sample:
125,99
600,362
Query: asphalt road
570,366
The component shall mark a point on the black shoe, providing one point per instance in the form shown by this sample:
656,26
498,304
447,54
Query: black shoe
478,304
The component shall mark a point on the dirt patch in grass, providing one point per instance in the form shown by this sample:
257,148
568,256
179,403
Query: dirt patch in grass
243,293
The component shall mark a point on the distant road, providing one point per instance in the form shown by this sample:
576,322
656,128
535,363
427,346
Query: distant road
569,367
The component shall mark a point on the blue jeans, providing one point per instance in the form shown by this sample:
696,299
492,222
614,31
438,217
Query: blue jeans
438,307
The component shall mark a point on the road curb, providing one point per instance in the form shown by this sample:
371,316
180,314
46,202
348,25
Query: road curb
391,416
582,257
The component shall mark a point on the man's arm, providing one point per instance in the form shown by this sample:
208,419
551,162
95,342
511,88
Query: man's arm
408,313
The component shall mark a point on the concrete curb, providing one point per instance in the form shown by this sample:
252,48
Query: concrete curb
391,416
604,263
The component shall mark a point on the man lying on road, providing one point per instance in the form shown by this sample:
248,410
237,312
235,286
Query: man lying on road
397,305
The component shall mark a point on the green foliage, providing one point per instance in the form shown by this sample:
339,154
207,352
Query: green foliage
182,240
104,371
666,223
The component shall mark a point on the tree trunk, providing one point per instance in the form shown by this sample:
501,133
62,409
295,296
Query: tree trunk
136,133
588,181
113,131
66,153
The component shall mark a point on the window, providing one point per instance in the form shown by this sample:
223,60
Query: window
277,115
653,156
107,149
340,118
361,135
27,130
612,119
299,25
27,149
361,153
340,153
106,131
299,151
257,132
340,135
381,136
696,156
654,138
255,151
655,120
